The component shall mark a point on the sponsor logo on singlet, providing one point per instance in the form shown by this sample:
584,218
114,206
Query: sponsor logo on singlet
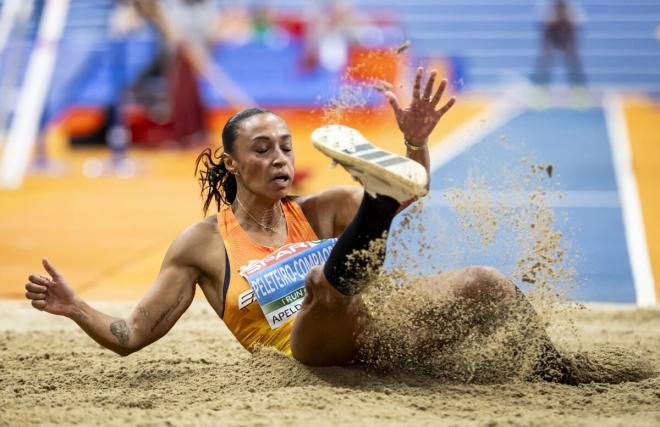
278,280
246,298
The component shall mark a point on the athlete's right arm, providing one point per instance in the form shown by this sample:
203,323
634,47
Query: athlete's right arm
159,309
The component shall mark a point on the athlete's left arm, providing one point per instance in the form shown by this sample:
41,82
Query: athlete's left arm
418,120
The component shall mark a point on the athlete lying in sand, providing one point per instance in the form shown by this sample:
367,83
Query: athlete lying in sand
250,182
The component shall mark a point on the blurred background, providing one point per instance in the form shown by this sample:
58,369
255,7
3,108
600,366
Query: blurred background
104,106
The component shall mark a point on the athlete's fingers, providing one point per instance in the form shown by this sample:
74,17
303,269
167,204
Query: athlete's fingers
387,84
439,92
429,85
383,86
50,268
38,279
35,295
39,304
446,107
32,287
418,82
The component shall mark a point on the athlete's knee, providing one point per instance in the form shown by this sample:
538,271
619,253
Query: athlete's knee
315,276
324,330
486,282
483,273
314,280
317,288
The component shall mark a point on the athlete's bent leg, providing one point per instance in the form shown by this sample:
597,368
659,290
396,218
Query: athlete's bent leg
388,180
372,220
326,328
486,296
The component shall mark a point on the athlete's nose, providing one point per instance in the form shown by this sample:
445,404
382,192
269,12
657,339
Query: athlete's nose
280,158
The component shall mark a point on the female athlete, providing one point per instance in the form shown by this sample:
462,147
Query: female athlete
250,182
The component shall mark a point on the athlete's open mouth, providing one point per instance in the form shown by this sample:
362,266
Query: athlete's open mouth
283,179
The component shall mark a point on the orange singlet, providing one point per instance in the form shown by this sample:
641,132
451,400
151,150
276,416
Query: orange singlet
242,314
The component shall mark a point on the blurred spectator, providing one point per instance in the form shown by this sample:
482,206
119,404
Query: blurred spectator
186,28
330,31
237,25
168,88
124,19
262,21
559,23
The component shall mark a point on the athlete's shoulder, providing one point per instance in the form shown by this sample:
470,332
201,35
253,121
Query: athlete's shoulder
197,241
202,230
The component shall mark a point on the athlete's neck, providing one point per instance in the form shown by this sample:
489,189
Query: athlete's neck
249,208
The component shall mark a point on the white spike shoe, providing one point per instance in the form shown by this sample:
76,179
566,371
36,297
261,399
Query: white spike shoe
379,171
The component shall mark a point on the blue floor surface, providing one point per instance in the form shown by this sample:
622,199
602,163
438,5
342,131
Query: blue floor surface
589,215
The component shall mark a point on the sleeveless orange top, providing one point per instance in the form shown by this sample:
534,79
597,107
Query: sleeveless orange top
241,312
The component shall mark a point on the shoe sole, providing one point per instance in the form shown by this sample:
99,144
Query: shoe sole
348,147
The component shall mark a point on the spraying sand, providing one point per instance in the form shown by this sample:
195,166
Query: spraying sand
51,373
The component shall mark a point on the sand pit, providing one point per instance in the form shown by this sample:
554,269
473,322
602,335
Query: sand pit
51,373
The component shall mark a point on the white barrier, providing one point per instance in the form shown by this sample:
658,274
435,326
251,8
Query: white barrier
32,97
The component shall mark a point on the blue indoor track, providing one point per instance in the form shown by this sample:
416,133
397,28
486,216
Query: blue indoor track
589,214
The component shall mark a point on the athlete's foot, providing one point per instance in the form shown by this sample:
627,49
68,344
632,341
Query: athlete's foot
380,172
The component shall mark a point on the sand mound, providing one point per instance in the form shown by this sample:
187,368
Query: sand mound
610,364
51,373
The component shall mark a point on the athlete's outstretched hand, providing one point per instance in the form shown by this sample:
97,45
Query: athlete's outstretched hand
51,294
418,120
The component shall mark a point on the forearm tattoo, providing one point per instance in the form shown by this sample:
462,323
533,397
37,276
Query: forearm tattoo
166,313
120,330
78,314
144,312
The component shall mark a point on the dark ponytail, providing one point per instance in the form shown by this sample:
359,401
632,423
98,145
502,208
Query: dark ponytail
216,181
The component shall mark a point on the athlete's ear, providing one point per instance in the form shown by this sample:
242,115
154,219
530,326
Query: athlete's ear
230,163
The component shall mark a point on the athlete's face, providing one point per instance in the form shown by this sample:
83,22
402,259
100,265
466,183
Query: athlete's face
263,156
